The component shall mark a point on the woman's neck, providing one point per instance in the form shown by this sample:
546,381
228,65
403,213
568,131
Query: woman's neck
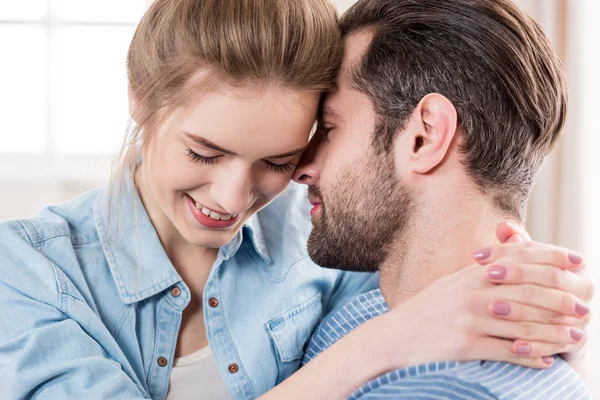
193,263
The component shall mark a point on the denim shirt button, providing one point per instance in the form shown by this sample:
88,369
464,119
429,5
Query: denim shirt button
175,292
213,303
233,368
162,362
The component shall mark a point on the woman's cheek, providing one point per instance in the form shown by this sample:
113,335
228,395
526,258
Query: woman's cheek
181,174
273,186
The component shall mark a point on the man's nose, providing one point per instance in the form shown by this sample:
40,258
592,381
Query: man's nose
308,171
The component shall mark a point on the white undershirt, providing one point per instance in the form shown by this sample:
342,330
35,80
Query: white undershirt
196,377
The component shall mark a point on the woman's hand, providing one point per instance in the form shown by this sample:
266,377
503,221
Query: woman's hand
576,355
536,302
520,303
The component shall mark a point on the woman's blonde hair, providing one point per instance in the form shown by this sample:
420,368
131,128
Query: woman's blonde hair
183,48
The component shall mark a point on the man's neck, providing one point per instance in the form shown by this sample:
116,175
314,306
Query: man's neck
438,242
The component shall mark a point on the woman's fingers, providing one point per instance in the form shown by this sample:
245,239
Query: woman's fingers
542,275
493,349
507,232
532,332
533,349
514,311
531,253
550,299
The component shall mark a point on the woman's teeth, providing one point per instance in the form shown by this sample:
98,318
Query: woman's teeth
212,214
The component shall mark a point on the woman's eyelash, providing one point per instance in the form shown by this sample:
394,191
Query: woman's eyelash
195,157
280,168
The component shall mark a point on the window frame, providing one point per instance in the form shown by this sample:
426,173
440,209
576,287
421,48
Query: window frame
51,164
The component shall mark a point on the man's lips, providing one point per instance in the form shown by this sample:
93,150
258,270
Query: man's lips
314,198
316,206
314,201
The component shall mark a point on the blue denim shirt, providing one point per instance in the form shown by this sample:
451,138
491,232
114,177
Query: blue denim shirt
89,310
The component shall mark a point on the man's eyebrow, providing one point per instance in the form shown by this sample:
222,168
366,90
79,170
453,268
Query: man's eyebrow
211,145
208,143
329,112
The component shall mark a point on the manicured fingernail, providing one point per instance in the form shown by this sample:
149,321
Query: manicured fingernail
500,308
575,259
482,254
576,334
581,309
523,349
497,272
548,360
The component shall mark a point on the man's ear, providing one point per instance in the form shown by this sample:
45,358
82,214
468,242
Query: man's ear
433,128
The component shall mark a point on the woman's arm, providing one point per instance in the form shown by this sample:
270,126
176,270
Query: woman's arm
451,320
357,358
578,357
47,355
44,353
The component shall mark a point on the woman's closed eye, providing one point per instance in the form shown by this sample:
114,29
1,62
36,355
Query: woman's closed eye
197,158
278,168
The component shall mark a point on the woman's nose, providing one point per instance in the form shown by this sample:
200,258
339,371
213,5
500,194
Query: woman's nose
233,192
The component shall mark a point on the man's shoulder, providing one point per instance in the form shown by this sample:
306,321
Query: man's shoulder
344,320
477,380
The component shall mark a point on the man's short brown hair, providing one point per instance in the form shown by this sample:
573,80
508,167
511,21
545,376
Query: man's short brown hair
490,59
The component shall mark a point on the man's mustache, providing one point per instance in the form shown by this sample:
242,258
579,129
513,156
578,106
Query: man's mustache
314,192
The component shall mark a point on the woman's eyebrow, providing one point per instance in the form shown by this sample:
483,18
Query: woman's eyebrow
211,145
289,153
208,143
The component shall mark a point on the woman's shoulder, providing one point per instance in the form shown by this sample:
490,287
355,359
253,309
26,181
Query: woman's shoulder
74,218
32,250
25,270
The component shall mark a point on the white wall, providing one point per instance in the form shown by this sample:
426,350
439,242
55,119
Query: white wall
27,183
343,5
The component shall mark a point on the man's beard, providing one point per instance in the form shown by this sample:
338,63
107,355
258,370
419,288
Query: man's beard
360,218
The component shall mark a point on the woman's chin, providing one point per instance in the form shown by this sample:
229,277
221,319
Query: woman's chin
212,238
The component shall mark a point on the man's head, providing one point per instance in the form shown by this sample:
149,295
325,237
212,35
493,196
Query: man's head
436,98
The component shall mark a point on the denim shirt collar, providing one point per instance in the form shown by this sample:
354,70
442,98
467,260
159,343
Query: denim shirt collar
256,237
137,260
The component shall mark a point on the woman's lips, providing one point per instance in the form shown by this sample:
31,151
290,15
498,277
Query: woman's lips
207,221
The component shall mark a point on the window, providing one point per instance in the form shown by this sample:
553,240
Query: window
63,75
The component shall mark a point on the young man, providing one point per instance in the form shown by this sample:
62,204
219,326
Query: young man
447,107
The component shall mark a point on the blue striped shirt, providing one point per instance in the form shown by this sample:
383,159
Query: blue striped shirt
446,380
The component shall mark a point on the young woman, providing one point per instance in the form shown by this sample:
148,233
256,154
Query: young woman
118,294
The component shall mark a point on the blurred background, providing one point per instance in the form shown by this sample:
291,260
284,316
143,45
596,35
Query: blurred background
63,103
